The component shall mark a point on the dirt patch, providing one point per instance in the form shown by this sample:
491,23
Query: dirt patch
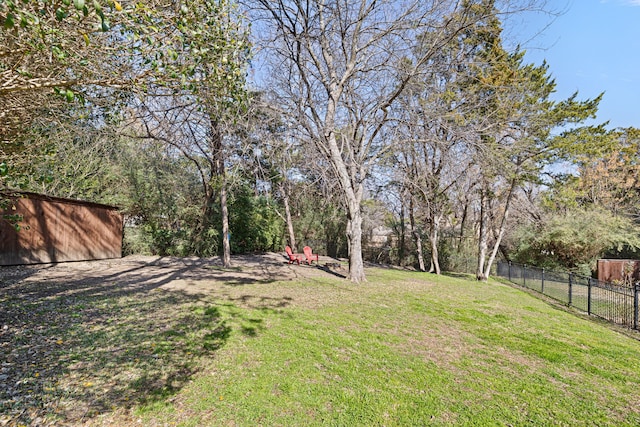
78,339
150,270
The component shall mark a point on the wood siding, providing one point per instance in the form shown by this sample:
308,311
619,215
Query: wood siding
58,230
619,270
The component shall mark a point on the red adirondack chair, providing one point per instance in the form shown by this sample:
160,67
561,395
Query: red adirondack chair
309,255
292,257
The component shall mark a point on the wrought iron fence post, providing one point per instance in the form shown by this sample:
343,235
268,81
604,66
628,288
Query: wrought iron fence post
636,291
542,284
589,297
570,286
524,275
510,271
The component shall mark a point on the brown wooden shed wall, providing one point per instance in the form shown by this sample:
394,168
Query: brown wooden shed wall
618,270
58,230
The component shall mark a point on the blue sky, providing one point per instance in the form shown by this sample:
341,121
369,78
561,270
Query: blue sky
592,47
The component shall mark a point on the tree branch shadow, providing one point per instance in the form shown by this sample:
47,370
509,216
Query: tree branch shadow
71,349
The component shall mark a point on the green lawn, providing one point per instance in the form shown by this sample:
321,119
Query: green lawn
403,349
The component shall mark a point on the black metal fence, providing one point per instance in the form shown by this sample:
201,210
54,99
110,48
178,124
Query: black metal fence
615,303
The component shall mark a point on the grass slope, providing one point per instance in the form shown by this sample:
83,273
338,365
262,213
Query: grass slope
411,349
403,349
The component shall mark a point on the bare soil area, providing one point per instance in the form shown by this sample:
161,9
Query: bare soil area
172,272
79,339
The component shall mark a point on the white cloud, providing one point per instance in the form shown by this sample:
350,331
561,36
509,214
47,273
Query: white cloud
623,2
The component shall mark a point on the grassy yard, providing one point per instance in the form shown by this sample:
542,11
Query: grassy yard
404,349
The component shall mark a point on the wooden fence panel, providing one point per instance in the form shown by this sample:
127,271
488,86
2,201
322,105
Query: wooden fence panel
625,271
58,230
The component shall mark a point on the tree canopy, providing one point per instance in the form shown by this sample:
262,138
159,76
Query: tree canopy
222,127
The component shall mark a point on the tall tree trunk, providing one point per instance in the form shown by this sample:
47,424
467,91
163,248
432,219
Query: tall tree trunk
218,156
416,235
463,222
287,215
351,180
401,237
433,239
503,227
483,236
354,236
226,234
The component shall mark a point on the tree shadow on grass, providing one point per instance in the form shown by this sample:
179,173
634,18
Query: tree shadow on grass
329,270
73,349
465,276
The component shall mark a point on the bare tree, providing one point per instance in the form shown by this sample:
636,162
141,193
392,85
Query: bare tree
275,154
340,67
433,155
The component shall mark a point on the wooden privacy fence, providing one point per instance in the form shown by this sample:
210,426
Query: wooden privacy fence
54,229
620,271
